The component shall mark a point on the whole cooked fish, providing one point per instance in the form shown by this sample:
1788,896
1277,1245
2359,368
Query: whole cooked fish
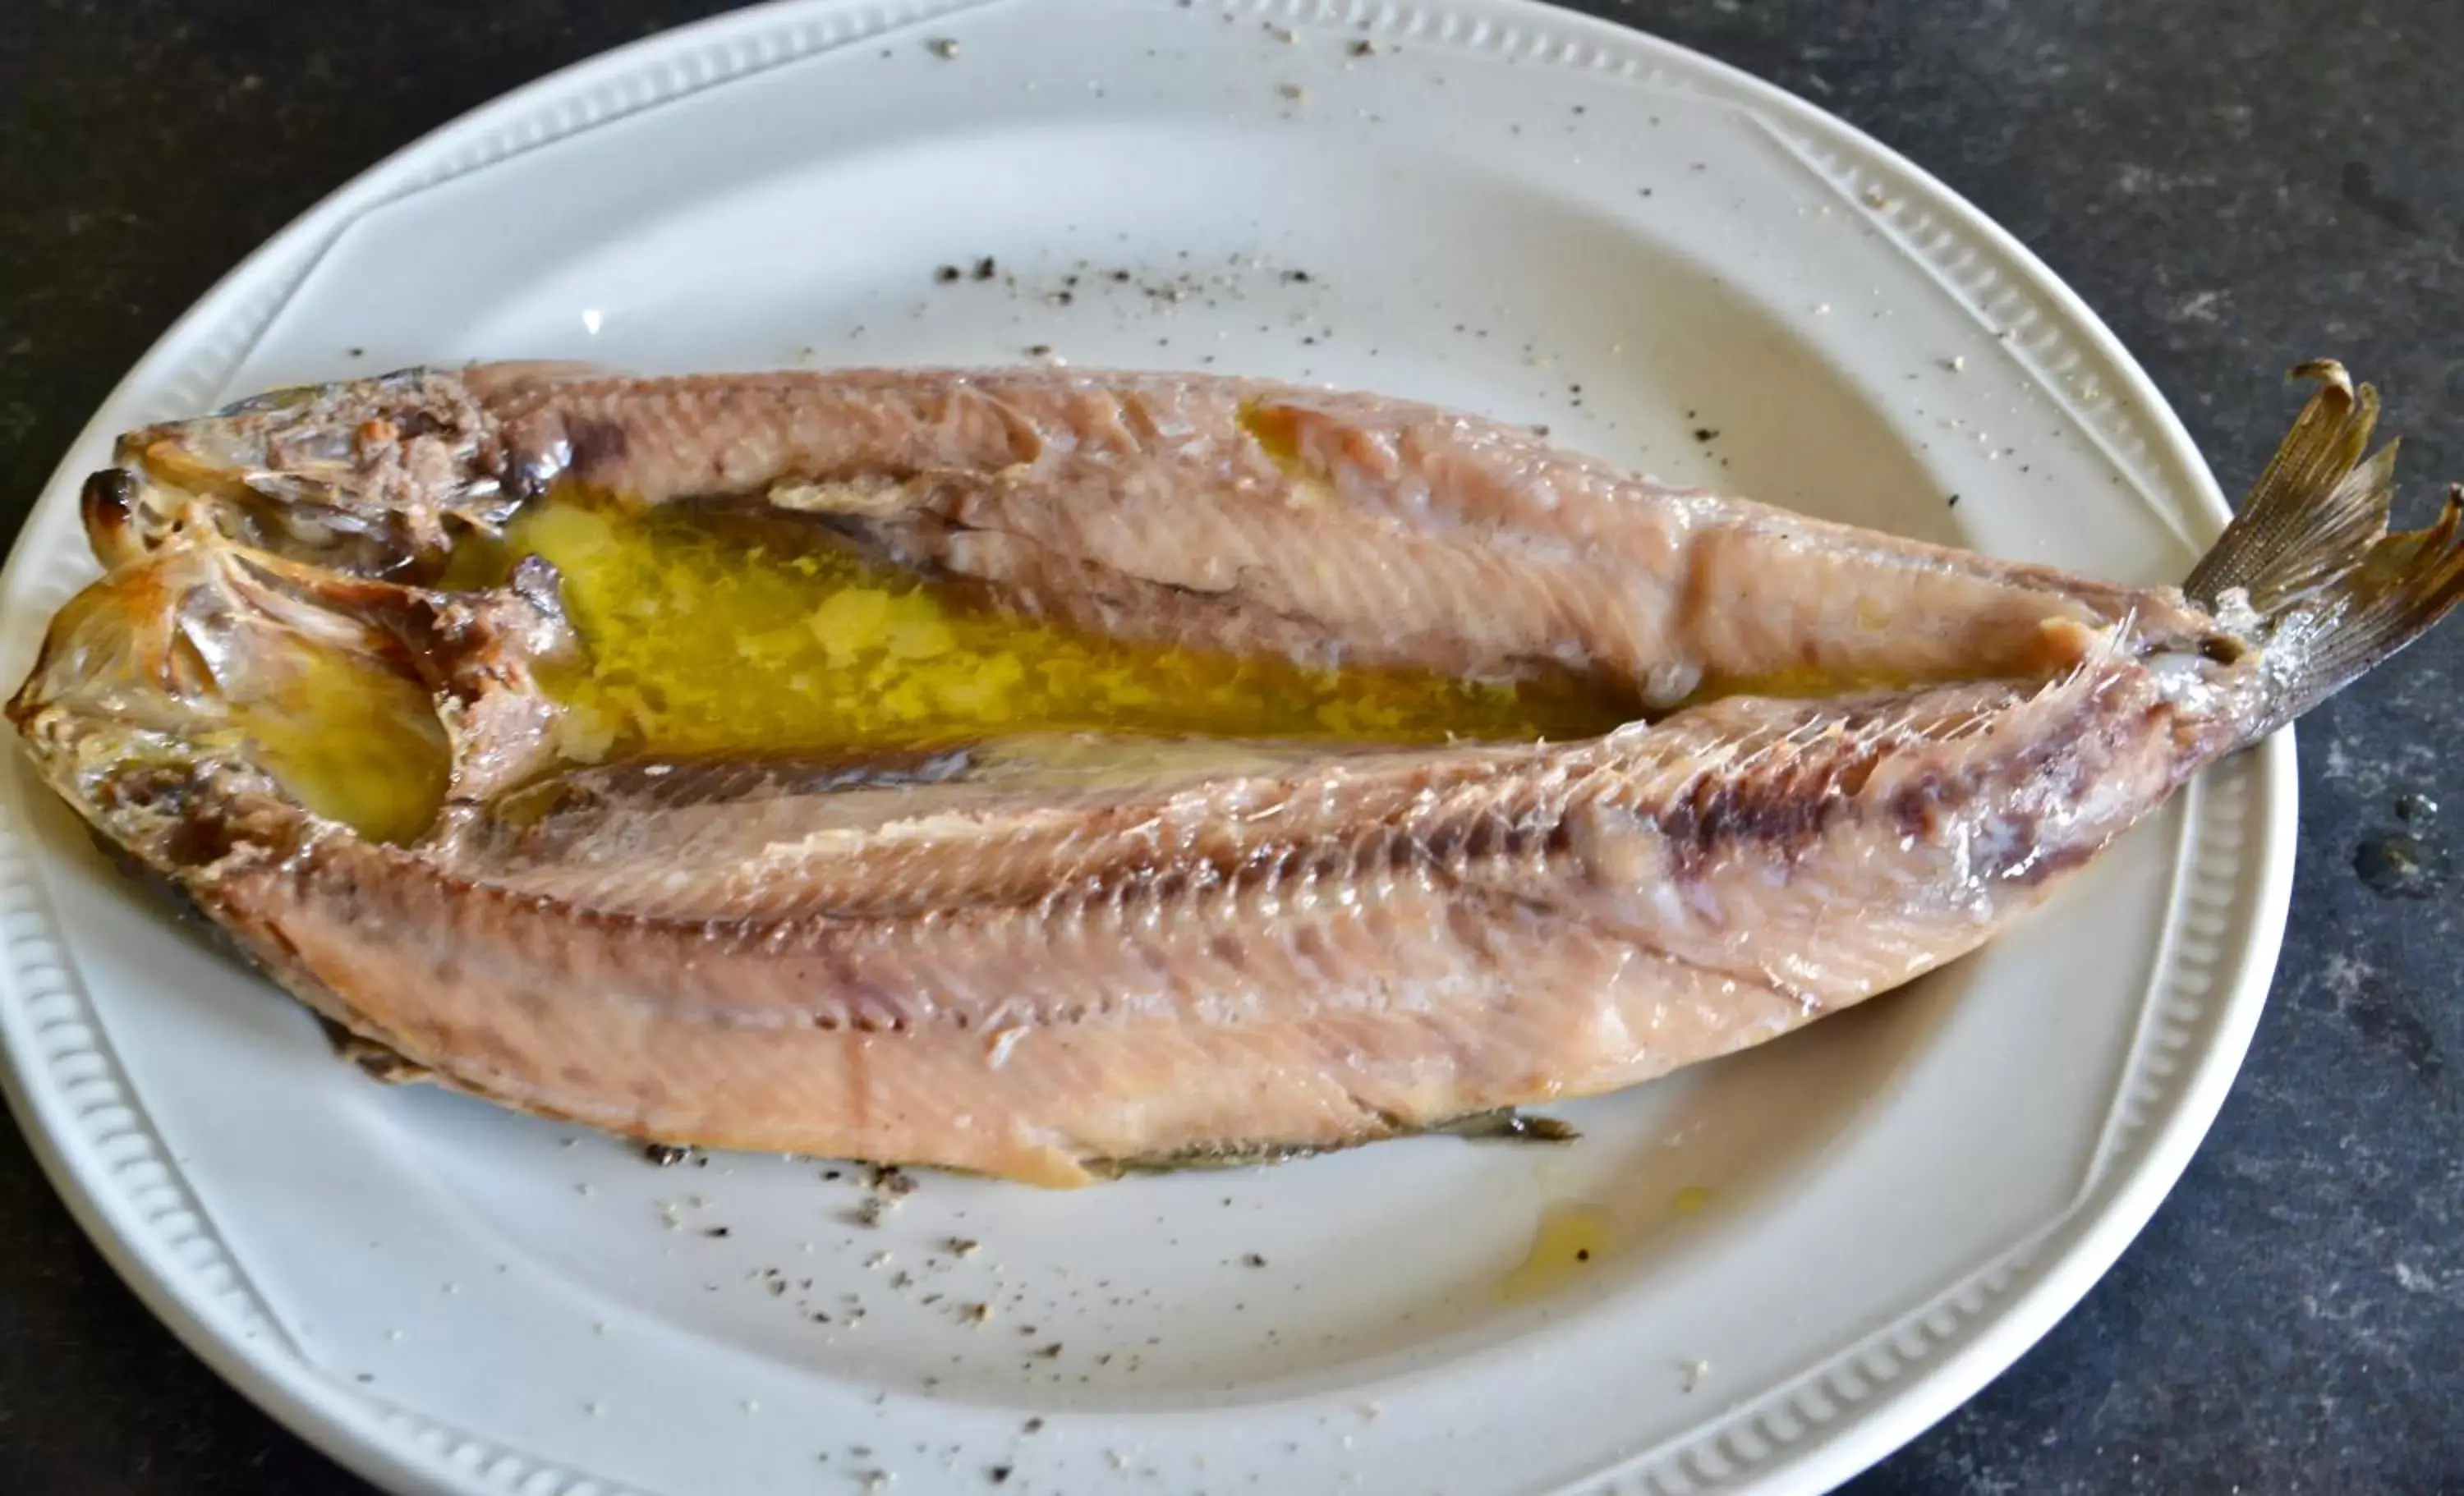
1855,757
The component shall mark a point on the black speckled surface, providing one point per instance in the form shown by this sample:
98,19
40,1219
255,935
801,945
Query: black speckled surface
2233,185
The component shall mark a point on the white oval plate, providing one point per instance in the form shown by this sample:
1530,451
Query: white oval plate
1812,1250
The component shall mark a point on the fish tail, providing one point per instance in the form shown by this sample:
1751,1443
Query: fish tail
2315,512
2308,572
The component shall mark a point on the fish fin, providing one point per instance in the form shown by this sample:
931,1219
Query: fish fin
1506,1125
2314,515
2308,573
379,1062
1502,1124
2401,587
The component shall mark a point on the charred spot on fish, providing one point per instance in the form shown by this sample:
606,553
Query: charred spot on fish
107,504
593,445
416,422
2222,649
1918,808
152,790
198,841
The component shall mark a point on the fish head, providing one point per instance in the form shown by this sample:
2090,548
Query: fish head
374,477
363,702
129,658
198,660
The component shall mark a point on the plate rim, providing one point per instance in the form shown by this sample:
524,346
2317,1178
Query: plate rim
2042,1280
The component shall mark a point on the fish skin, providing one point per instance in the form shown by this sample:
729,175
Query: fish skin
1038,958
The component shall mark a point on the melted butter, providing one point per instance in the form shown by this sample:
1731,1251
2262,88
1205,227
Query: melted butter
1572,1241
709,635
714,635
2058,645
348,738
1803,683
1277,432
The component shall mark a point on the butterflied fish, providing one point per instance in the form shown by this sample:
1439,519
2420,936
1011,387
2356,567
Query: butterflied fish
1042,954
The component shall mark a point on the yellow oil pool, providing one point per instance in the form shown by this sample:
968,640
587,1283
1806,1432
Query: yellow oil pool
1571,1240
708,634
729,635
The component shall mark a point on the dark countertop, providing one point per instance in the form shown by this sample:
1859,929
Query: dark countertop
2233,185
